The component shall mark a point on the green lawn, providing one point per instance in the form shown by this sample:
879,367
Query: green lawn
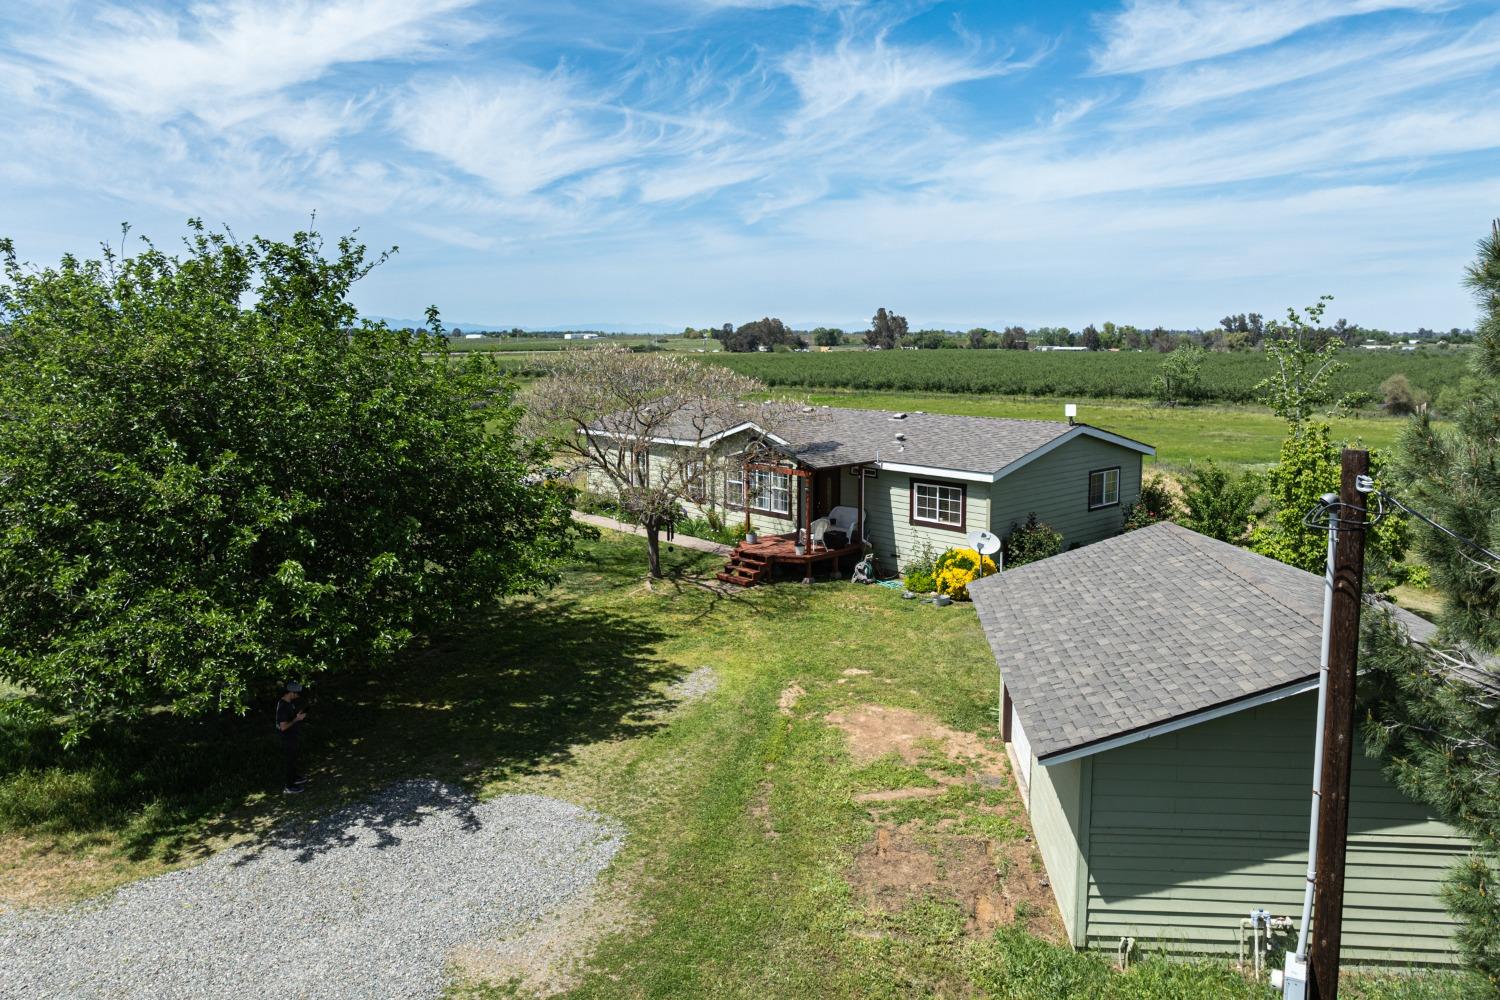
741,873
1232,435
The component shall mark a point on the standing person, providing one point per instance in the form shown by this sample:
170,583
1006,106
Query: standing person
289,719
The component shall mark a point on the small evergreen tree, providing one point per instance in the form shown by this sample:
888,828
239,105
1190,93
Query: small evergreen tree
1433,713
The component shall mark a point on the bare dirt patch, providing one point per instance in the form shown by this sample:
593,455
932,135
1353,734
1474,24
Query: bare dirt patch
760,809
899,794
992,883
790,695
992,886
876,730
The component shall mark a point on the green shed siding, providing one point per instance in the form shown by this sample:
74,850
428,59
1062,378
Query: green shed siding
1191,830
888,510
1058,805
1056,487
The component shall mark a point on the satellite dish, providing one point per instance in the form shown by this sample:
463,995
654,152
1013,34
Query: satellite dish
984,542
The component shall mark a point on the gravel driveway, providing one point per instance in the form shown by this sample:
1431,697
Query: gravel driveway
363,903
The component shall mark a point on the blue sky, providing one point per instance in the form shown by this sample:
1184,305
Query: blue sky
699,161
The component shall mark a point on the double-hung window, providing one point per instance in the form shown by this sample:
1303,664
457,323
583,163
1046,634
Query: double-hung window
770,492
939,505
1104,488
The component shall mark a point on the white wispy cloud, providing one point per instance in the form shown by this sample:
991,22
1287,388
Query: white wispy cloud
1224,79
1152,34
865,77
520,133
159,64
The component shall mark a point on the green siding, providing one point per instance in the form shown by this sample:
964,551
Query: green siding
888,510
1191,830
662,458
1057,812
1056,487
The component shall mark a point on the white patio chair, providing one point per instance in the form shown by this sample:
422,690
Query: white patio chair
845,519
819,528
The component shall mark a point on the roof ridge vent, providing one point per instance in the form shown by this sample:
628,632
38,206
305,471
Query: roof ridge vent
898,416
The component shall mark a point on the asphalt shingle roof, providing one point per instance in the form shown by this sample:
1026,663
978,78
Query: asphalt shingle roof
838,436
829,436
1146,627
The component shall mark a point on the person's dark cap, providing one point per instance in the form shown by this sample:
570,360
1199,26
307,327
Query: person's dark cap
294,687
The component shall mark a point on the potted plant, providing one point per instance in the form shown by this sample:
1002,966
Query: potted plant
751,537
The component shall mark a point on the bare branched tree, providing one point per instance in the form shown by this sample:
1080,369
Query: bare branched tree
610,410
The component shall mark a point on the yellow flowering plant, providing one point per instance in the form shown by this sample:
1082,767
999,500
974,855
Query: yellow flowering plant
957,568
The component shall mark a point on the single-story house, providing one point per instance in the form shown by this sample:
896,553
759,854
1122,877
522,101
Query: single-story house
913,483
1158,701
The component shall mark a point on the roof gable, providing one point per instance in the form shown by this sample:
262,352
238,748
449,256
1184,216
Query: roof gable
1147,627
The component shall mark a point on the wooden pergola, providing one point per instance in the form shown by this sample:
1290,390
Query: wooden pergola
783,548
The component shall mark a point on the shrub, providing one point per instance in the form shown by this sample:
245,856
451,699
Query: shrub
1155,503
922,560
1031,541
957,568
1400,397
920,582
1220,504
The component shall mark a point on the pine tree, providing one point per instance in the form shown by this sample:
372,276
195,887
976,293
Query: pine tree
1432,713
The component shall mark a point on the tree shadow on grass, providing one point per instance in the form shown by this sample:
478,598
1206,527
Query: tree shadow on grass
509,693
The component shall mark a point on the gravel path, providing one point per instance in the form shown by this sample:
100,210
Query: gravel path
366,902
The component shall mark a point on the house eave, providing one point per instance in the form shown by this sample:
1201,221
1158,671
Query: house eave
1181,722
706,442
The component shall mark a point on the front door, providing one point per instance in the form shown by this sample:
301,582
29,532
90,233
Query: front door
825,492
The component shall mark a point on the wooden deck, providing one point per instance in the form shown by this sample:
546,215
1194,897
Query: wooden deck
751,564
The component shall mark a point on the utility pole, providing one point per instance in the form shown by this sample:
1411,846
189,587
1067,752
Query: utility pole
1338,729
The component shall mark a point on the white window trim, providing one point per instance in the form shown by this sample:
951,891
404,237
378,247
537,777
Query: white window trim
1104,489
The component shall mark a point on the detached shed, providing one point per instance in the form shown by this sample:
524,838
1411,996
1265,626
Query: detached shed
1158,701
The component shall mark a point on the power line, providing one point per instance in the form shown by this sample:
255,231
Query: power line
1493,567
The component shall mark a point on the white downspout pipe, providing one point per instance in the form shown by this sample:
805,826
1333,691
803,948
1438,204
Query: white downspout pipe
1317,778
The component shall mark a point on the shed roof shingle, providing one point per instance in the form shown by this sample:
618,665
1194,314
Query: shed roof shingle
1147,627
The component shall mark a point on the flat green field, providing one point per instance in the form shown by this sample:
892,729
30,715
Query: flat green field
787,835
1182,435
1225,377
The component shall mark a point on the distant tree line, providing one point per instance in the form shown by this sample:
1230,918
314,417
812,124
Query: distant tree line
890,330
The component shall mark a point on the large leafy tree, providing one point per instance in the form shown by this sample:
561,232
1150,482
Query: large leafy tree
887,330
1433,712
213,477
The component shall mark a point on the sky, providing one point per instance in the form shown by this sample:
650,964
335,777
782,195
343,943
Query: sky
665,163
